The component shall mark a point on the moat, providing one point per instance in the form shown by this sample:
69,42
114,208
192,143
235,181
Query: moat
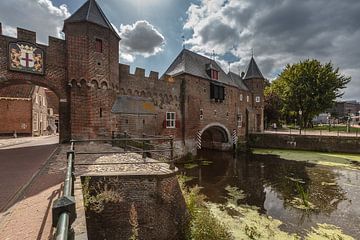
270,184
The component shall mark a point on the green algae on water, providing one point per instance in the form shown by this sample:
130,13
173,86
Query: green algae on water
191,165
327,232
328,159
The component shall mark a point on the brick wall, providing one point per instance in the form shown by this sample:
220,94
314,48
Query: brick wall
157,201
15,116
94,78
54,77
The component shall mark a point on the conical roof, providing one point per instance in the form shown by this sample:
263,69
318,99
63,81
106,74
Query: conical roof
90,11
253,70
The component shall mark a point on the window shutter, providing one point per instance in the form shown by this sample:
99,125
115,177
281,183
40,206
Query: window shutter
177,124
211,91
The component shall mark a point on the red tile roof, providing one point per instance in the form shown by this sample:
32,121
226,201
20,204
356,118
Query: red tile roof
17,91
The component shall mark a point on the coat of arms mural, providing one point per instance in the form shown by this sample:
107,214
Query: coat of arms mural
26,57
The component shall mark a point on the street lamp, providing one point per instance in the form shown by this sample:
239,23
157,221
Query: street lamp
328,117
300,113
348,122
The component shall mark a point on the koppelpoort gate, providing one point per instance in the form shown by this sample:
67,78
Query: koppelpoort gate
99,96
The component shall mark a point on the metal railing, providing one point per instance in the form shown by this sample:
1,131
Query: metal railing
64,212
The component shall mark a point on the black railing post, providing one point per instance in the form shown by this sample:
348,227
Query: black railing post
172,165
112,138
143,147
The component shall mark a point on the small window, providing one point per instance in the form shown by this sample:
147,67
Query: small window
98,45
36,122
40,98
241,97
214,74
239,120
257,99
247,98
217,92
101,112
170,120
201,114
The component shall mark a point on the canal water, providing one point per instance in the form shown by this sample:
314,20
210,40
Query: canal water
271,183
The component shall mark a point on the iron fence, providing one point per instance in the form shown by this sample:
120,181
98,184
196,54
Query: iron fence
64,213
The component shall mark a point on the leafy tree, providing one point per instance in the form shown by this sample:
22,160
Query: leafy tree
308,86
272,106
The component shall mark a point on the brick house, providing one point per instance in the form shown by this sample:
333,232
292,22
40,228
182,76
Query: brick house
24,110
195,100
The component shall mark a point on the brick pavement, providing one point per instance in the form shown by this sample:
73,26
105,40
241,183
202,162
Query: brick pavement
30,217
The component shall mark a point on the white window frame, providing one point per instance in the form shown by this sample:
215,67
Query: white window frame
36,122
36,98
247,98
239,120
241,97
44,122
257,99
170,120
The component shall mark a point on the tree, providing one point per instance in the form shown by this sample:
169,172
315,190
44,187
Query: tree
272,106
308,86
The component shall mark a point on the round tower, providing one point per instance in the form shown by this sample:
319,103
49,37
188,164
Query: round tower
92,49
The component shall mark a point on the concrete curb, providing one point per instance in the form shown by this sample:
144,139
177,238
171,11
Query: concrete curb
20,192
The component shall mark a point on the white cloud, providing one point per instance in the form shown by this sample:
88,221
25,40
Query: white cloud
140,39
40,16
281,32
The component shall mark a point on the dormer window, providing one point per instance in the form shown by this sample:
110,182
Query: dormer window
98,45
214,74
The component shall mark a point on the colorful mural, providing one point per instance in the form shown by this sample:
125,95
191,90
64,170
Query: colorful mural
26,57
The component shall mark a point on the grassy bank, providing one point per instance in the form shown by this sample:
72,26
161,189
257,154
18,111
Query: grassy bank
350,161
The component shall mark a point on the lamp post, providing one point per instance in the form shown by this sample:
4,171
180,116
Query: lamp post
300,114
328,117
348,122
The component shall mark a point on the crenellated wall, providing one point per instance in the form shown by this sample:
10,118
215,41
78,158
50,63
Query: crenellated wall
54,77
165,94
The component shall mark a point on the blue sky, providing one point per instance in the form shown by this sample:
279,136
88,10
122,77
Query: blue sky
280,31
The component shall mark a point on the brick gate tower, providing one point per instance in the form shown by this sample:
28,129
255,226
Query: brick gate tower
92,47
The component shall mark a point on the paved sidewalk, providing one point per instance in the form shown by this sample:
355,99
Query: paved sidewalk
8,142
30,218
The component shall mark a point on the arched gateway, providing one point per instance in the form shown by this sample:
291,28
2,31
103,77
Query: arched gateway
216,136
81,70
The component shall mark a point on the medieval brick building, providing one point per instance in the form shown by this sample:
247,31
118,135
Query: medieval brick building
195,100
23,110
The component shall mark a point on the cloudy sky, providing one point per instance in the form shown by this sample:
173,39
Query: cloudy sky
279,31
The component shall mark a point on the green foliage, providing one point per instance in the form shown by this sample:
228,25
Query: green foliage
308,86
203,224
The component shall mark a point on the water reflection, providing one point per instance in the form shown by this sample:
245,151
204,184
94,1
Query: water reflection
270,184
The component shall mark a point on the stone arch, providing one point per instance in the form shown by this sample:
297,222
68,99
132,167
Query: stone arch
95,83
216,136
142,94
122,91
129,92
60,91
136,93
104,85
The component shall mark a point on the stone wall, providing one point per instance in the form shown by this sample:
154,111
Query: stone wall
154,203
311,143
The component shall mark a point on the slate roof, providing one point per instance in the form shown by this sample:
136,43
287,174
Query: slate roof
253,70
195,64
90,11
17,91
238,80
133,105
